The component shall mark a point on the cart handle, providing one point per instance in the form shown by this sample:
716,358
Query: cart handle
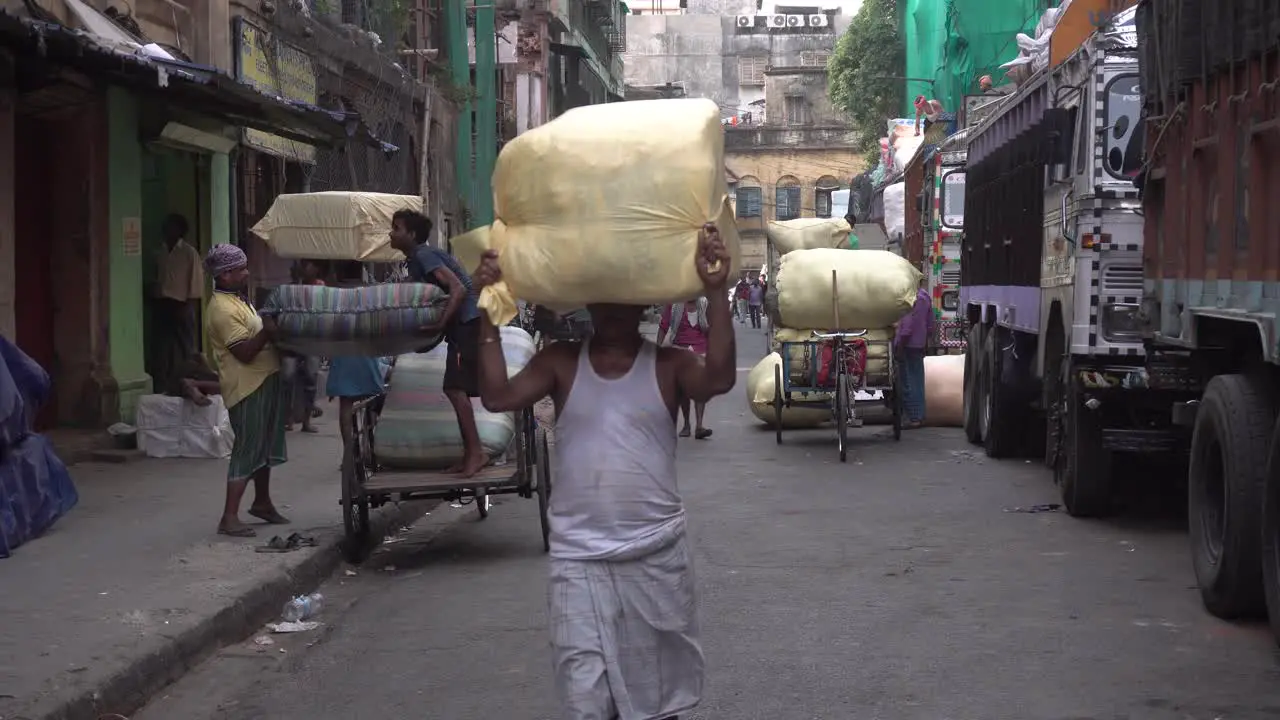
829,336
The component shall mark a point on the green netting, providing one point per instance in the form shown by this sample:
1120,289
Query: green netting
954,42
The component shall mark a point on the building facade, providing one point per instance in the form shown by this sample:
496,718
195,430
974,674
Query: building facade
786,148
118,114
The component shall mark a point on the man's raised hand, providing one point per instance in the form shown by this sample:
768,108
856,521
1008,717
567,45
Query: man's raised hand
489,273
712,259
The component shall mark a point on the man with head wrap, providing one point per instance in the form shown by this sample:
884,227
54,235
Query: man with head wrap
249,375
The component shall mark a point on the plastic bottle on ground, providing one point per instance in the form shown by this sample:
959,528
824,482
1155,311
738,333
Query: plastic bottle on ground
303,607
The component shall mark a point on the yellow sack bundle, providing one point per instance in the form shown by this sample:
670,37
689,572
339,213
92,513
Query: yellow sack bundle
808,233
336,225
604,204
760,391
875,288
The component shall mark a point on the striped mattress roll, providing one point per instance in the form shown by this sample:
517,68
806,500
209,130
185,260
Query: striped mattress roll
418,430
375,320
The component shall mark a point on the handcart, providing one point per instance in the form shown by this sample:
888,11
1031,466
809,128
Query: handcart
367,484
835,367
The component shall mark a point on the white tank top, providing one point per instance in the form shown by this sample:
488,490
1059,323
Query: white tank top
614,480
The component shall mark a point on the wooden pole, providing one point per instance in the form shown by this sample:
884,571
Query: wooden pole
835,301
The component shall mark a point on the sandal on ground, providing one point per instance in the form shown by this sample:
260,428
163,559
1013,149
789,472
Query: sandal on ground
684,432
702,434
276,544
240,532
272,517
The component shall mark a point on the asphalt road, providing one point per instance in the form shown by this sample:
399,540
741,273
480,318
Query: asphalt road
902,585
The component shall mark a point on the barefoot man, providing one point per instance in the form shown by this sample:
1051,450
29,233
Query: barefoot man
622,607
460,324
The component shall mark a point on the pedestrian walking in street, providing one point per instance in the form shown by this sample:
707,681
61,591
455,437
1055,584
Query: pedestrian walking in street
302,372
179,290
910,342
460,324
621,598
741,291
684,325
249,376
755,301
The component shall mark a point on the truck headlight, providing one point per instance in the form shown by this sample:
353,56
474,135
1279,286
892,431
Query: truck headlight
1121,323
950,300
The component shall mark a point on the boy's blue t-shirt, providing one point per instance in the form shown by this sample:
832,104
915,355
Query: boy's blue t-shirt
422,265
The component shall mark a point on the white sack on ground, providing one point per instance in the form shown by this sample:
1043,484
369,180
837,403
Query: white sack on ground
604,204
944,390
876,288
760,392
806,233
334,225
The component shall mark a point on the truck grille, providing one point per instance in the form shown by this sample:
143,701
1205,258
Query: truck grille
951,277
1122,280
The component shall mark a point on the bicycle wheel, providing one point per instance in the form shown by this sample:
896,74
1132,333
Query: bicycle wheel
841,403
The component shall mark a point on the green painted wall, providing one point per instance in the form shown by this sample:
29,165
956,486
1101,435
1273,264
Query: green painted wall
125,325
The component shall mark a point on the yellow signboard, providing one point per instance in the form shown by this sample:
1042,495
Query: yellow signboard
276,68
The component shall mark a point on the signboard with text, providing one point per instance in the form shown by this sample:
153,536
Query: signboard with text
275,68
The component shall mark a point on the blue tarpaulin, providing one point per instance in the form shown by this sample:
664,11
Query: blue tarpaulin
35,487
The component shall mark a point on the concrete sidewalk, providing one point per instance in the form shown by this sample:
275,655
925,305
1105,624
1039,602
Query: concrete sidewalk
134,587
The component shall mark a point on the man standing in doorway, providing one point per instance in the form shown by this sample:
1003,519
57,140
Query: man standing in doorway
179,291
755,301
460,324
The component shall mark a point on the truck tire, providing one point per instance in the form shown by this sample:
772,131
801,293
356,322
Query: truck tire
1271,535
1225,494
1001,427
972,385
1082,467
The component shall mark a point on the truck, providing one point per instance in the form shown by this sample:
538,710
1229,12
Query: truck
1148,177
1051,263
934,223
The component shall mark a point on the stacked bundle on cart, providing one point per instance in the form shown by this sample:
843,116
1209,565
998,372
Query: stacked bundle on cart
35,487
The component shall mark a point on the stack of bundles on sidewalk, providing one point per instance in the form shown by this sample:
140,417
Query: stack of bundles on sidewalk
808,233
944,390
876,288
620,195
760,396
418,430
334,225
171,426
375,320
35,487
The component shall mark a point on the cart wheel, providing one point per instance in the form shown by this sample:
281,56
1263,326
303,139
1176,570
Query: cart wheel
841,405
483,503
355,508
777,402
896,402
544,486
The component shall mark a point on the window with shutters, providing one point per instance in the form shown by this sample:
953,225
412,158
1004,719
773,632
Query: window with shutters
788,202
814,58
751,70
822,203
796,110
750,202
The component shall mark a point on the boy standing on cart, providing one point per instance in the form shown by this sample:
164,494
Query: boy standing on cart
459,323
621,597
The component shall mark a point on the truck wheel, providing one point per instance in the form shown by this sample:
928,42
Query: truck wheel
1001,421
1225,494
973,386
1271,535
1082,467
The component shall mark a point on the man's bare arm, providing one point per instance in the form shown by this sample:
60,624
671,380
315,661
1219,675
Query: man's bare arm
702,381
500,394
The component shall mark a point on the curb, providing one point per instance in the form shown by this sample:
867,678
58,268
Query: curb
126,689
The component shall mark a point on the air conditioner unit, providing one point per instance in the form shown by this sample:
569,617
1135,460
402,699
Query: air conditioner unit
745,21
795,21
819,21
777,21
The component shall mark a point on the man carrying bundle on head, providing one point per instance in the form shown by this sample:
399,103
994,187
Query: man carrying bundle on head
460,325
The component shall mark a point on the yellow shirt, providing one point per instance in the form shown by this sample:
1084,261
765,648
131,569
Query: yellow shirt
181,275
230,320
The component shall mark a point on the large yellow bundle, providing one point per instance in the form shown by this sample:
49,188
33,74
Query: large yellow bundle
760,391
875,287
604,204
335,225
808,233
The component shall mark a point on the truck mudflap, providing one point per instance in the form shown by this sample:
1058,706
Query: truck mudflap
949,336
1137,404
